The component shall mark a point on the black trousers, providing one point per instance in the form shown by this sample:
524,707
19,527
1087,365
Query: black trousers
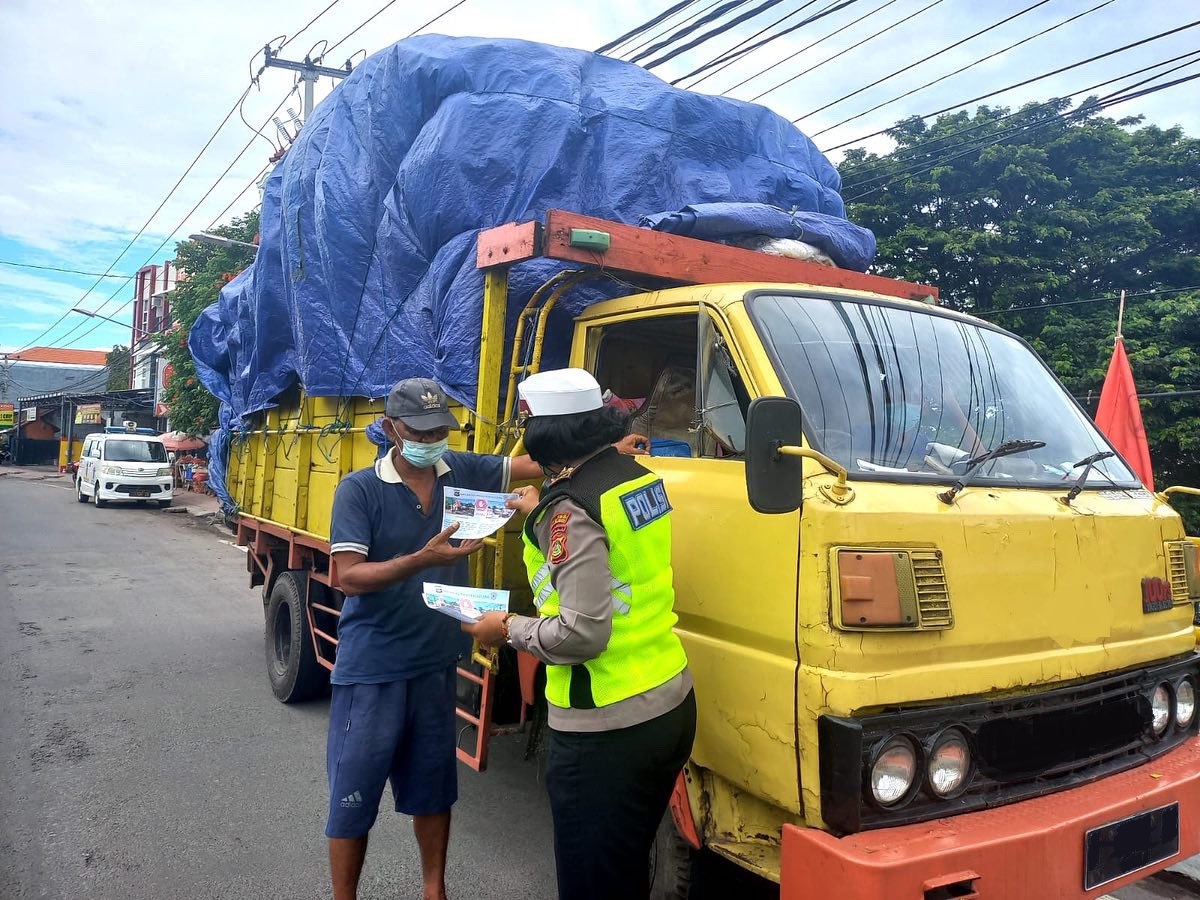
608,792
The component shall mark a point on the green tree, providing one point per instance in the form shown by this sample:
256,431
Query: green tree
117,362
1026,218
207,268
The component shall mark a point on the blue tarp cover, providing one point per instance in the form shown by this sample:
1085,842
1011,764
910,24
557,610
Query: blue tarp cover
365,272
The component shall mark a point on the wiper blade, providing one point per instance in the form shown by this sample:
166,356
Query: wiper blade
1087,463
1008,448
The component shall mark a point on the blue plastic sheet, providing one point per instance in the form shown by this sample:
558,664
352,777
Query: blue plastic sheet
365,272
850,246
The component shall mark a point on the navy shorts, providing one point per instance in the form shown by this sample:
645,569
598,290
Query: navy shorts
402,730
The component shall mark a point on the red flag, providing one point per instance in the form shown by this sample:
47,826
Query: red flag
1120,417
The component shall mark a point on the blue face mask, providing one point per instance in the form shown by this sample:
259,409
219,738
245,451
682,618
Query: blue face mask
423,455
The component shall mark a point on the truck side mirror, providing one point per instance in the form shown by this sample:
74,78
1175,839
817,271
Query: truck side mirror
774,481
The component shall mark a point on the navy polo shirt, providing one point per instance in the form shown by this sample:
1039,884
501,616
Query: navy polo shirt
391,635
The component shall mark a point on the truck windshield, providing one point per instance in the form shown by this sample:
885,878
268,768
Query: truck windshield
895,392
135,451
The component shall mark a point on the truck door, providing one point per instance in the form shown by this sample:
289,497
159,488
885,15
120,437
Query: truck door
735,570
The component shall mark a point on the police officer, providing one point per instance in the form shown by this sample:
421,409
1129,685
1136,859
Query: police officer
622,714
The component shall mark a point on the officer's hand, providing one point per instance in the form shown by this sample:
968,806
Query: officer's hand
633,444
526,500
440,552
489,630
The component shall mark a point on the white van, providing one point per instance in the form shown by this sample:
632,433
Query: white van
127,463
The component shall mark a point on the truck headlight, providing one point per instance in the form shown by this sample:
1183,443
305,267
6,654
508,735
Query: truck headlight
1185,703
1160,709
894,770
111,470
164,472
949,763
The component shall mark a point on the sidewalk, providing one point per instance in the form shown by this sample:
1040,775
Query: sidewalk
32,473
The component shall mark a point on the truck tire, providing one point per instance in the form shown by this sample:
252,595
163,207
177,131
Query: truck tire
292,666
672,862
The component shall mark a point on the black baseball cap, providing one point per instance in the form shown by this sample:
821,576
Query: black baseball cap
420,404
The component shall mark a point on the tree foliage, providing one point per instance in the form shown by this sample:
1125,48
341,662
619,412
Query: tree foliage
1054,208
117,363
208,268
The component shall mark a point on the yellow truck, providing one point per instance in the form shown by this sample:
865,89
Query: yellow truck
942,638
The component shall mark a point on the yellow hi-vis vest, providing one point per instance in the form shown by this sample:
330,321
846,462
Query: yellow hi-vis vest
630,504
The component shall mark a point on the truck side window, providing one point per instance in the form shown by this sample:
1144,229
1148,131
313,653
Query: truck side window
723,397
649,365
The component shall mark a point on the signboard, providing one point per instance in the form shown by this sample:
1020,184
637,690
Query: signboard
87,414
6,415
161,411
31,414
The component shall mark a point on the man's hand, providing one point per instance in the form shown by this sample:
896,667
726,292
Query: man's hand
440,552
633,444
489,630
526,500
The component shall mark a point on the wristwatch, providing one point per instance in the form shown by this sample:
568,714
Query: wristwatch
504,628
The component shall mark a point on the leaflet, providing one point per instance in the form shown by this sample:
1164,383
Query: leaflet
463,603
477,513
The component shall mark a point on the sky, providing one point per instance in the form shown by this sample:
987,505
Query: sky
107,103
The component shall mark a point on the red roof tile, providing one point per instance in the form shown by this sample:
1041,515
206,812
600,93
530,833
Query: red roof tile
64,357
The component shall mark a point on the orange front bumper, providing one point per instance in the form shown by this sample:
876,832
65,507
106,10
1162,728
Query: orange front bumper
1031,849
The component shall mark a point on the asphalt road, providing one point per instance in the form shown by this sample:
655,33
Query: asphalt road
143,756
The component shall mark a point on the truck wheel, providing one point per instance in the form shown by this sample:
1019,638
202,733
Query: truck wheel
671,863
292,664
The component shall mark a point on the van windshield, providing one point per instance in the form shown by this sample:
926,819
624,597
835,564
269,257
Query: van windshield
891,391
135,451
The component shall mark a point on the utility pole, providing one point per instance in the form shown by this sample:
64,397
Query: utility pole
309,73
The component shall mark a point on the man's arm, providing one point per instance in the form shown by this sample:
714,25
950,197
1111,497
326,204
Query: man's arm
357,576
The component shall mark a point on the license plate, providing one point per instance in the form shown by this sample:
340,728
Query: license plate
1125,846
140,492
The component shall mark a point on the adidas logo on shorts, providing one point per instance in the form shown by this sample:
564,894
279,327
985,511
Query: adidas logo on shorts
353,800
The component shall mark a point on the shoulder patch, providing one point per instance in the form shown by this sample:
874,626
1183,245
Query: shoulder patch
559,552
646,504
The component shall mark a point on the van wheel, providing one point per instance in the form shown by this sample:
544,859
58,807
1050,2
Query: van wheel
292,665
80,497
672,861
96,501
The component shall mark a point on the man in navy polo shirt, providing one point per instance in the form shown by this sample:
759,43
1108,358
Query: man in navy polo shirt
392,711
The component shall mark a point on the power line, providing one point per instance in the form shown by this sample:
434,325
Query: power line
840,53
925,146
381,10
713,33
1104,103
962,69
680,24
925,59
809,47
923,152
686,29
253,182
9,262
168,238
145,224
310,24
735,54
645,26
1027,81
1107,299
